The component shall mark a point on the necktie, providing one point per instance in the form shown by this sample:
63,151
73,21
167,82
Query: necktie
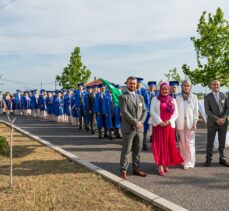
217,97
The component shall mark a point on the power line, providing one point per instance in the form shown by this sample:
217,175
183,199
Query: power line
6,4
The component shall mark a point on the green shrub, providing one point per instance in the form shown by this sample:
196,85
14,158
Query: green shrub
4,146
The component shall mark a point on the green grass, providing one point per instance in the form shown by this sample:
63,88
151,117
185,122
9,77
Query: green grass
45,180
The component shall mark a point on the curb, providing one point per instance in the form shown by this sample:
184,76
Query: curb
148,196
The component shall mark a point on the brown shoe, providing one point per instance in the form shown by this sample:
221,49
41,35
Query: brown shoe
123,175
139,172
223,162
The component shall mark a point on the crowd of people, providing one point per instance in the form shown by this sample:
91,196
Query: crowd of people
166,116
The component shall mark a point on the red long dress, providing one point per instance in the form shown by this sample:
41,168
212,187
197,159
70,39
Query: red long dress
164,147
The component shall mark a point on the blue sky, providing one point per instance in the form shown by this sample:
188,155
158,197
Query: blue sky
117,38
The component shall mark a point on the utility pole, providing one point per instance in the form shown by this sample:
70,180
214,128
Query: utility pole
55,84
41,84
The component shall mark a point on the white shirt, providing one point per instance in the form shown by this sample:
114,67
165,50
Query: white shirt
216,95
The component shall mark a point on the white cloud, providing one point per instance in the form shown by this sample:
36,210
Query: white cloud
55,27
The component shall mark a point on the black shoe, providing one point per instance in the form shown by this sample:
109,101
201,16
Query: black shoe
100,136
110,137
87,128
118,137
92,131
207,163
222,161
80,128
105,135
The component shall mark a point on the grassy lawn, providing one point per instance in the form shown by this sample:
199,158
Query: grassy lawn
45,180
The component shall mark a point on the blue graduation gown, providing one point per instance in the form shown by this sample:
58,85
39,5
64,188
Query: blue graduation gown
73,106
18,102
147,99
86,107
99,108
49,106
41,103
118,120
34,102
108,110
67,104
25,103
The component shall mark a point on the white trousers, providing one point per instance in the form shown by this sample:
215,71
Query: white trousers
187,146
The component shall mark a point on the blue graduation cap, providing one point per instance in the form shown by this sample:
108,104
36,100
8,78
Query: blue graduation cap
117,86
101,85
80,84
139,80
95,86
173,83
88,87
18,90
42,90
57,92
152,83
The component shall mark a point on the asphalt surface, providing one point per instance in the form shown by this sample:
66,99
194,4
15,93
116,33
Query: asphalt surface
201,188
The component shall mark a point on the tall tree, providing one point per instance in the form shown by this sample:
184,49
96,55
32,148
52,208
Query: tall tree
212,48
75,72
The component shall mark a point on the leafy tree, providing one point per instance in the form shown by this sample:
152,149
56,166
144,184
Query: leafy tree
173,75
212,48
75,72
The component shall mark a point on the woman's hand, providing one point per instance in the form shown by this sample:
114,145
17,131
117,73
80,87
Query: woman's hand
162,124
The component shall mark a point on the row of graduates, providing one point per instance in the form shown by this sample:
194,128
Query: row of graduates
90,107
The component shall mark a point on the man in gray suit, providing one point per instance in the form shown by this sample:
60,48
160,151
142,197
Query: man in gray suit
133,113
217,109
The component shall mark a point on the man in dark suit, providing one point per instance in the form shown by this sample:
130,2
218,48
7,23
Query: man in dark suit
217,109
133,113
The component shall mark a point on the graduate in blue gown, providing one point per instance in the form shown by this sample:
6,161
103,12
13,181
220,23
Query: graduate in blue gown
49,106
91,105
139,89
148,96
42,103
58,105
74,114
67,106
108,111
18,107
99,110
174,89
26,103
86,107
34,103
80,104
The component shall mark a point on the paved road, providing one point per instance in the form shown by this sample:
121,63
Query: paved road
198,189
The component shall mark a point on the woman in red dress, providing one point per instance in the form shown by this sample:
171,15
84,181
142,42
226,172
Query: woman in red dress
164,113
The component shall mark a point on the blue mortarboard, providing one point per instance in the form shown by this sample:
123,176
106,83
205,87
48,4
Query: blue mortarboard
174,83
18,90
139,80
80,84
42,90
117,86
152,83
75,91
88,87
95,86
101,85
57,91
